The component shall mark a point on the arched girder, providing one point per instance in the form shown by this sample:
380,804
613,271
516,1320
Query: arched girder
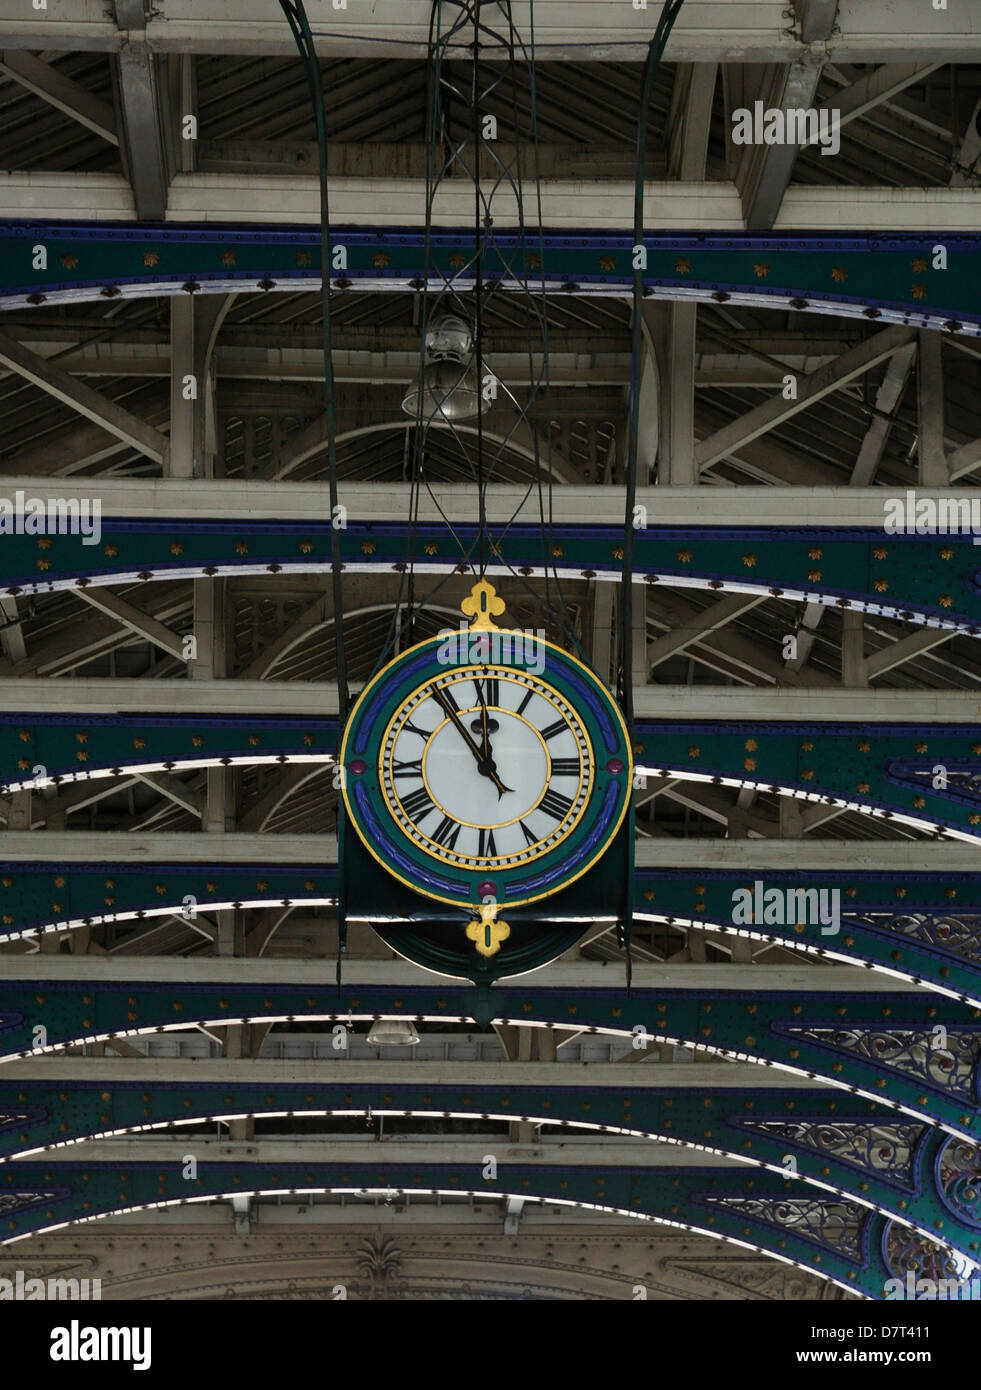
293,637
824,1234
924,927
856,1148
915,1055
930,579
548,459
887,278
888,771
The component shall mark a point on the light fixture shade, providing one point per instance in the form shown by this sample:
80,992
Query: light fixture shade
448,388
393,1032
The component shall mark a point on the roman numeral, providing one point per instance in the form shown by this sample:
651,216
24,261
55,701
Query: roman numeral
410,728
555,804
530,837
565,767
486,848
446,832
414,769
491,692
554,729
418,804
525,702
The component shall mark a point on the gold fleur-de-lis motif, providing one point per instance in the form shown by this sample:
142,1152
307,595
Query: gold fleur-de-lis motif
488,933
482,606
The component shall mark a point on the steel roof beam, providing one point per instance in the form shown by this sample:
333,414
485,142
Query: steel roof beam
61,92
139,97
773,856
736,31
85,696
810,389
736,1076
570,206
65,388
840,508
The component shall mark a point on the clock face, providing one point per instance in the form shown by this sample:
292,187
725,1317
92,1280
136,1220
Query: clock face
472,781
486,767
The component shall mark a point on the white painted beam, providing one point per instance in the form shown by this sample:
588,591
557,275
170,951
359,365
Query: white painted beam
456,1149
735,31
896,653
764,171
140,96
567,204
576,504
773,856
151,1071
91,695
322,974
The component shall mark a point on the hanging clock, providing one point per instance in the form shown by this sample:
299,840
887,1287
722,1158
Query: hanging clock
487,770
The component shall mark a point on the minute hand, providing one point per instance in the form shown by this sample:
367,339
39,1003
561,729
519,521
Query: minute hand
485,765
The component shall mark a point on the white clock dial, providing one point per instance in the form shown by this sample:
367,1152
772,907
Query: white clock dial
486,767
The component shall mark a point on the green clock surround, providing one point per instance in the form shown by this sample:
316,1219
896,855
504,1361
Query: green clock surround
463,828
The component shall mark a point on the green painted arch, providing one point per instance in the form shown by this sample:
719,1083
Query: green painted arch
880,1046
929,579
881,770
727,1204
761,1128
892,278
925,928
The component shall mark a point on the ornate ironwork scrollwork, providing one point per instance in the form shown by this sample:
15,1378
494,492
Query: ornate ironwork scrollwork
886,1149
910,1257
13,1202
958,1174
960,935
945,1059
835,1225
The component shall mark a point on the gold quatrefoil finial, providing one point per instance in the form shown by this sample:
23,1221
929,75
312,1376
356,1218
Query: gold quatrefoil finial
488,933
483,606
